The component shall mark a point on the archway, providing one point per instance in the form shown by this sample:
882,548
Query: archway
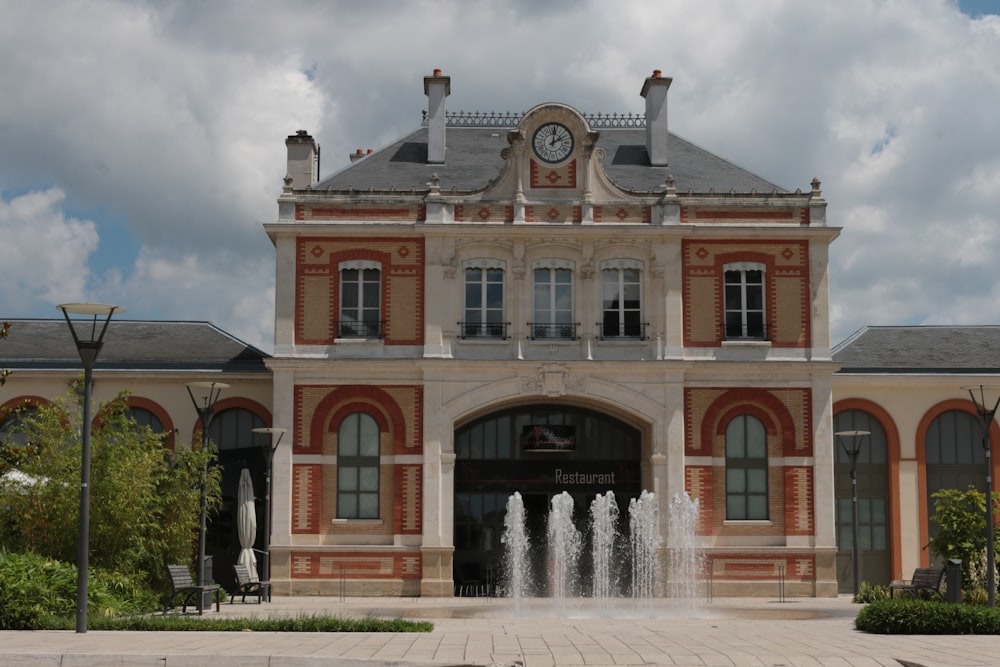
538,451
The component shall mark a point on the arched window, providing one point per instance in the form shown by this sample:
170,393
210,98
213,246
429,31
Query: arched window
954,455
746,469
358,467
144,417
12,427
232,428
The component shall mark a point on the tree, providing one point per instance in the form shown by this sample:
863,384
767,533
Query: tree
144,499
961,520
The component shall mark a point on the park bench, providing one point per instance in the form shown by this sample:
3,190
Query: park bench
925,579
181,583
247,585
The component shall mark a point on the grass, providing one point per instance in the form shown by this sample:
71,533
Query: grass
303,623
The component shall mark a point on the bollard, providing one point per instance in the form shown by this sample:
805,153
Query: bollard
953,572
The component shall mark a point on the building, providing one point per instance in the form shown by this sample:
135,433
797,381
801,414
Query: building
540,303
546,302
908,386
155,361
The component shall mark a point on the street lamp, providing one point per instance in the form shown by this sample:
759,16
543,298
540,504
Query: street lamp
851,442
271,449
88,345
204,396
986,415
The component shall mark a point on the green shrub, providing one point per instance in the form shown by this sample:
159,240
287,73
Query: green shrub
869,592
922,617
177,623
38,593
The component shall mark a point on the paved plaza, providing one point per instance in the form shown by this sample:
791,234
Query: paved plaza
477,631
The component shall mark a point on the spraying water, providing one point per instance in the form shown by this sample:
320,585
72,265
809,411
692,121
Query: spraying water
685,557
515,541
645,533
564,549
604,526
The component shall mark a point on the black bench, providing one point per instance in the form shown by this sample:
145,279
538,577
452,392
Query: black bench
181,583
247,585
924,580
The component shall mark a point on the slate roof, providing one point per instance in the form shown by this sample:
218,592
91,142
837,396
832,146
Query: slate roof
921,349
473,160
46,344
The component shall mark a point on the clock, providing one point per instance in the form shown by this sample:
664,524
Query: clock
552,142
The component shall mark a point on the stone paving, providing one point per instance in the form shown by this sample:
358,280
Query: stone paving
724,632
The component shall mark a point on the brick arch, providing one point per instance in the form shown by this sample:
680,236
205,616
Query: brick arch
961,405
893,454
761,404
344,400
20,401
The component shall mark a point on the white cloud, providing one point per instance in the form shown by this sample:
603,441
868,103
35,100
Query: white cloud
44,254
164,122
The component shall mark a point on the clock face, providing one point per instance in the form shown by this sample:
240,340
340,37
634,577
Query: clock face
552,142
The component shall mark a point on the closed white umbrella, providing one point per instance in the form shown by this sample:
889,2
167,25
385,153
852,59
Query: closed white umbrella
246,523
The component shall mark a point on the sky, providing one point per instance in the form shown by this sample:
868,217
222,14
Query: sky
142,143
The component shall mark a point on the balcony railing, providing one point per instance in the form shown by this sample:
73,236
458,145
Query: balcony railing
618,331
491,330
552,330
352,329
744,331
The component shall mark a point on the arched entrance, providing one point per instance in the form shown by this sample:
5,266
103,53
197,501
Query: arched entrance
538,451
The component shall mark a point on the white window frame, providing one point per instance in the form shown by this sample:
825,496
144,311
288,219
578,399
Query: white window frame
484,320
548,319
624,329
748,330
360,314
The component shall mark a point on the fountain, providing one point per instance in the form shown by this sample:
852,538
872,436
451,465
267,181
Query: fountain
564,550
644,544
604,526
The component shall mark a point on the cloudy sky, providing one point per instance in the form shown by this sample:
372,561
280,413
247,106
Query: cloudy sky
142,143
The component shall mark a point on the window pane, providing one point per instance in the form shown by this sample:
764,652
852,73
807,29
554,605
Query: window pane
757,480
347,478
368,508
756,439
755,298
757,508
347,506
347,436
736,481
736,508
369,436
473,296
494,296
736,438
368,479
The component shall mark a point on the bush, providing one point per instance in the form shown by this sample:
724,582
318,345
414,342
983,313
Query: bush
38,593
922,617
869,592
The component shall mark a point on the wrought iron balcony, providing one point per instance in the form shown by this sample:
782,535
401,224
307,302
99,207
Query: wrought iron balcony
491,330
354,329
618,331
552,330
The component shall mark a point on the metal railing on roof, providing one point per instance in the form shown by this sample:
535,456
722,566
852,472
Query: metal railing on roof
509,119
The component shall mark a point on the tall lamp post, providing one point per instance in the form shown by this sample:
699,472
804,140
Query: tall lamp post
851,442
204,396
88,345
978,395
271,449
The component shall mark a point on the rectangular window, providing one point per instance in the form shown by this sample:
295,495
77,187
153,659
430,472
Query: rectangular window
620,304
552,314
744,308
484,304
360,304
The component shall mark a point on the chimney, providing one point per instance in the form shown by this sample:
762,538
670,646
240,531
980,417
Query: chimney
358,154
303,160
655,92
436,88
